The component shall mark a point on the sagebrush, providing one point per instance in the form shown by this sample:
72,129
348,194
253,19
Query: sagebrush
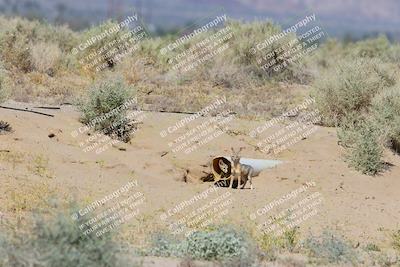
106,106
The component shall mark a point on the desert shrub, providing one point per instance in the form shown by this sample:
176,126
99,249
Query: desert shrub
374,48
4,83
150,50
273,245
59,242
45,57
15,46
394,53
370,48
105,48
387,258
218,244
329,248
105,108
350,88
21,35
386,114
366,154
63,235
163,245
328,54
246,35
396,240
348,128
363,142
245,38
221,244
5,127
7,248
237,66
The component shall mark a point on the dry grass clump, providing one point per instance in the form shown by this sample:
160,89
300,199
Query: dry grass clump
37,60
350,88
329,248
19,36
105,49
45,57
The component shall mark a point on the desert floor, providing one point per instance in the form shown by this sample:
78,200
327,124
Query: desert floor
365,209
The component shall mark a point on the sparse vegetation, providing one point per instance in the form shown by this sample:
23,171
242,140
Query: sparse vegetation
221,244
111,38
58,242
355,86
40,166
105,108
396,240
329,248
364,146
271,245
386,115
29,197
45,57
350,88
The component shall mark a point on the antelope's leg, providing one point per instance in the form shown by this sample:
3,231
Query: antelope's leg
250,177
245,182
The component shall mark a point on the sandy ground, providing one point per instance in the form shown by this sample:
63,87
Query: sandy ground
363,208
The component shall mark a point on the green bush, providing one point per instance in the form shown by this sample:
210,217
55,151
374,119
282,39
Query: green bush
218,244
386,114
221,244
163,245
58,242
350,88
363,141
366,135
105,109
367,151
329,248
19,36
